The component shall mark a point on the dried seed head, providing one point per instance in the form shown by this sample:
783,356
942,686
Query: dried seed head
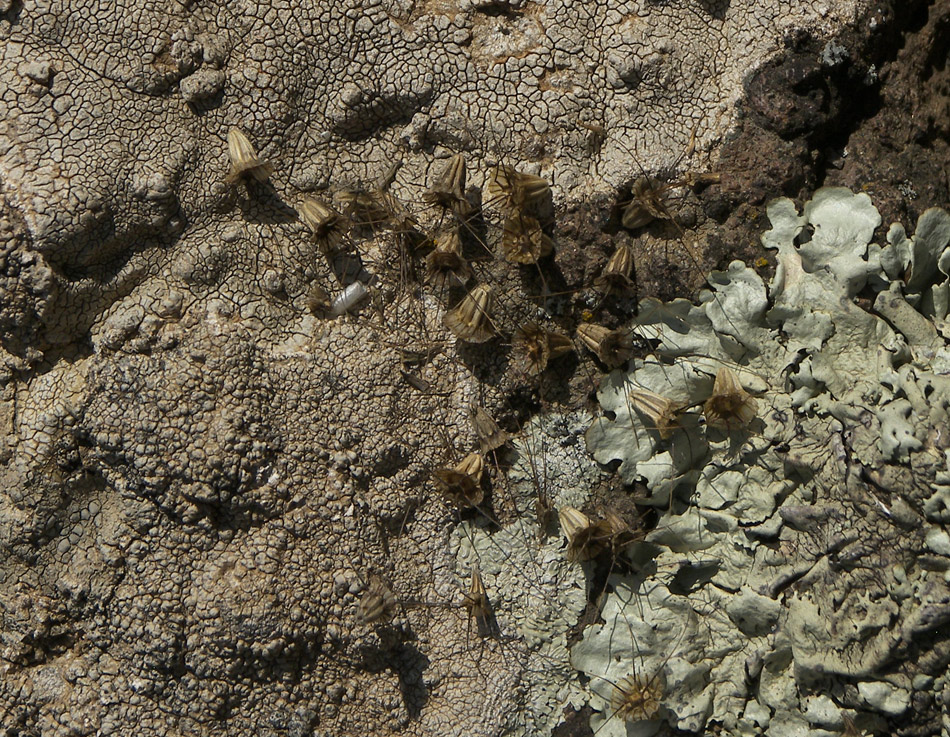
637,698
613,347
470,321
662,412
377,603
446,264
613,533
448,191
244,159
364,208
539,346
648,203
616,276
318,301
512,190
327,225
476,599
490,436
523,241
729,407
581,532
462,485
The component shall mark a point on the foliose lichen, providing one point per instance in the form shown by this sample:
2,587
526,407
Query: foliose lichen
798,568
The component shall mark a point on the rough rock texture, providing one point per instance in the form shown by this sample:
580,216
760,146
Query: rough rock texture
199,475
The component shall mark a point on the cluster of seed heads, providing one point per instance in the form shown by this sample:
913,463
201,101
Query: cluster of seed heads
519,198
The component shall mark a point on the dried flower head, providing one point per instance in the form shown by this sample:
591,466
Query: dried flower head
470,320
363,207
318,301
637,698
523,241
539,346
377,603
648,203
512,191
461,485
244,159
729,407
448,191
662,412
446,264
613,347
580,531
490,435
616,276
327,224
476,600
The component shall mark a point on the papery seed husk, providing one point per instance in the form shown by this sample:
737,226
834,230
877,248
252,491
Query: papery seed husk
523,241
244,159
513,190
490,435
448,191
612,347
730,406
540,346
469,321
377,603
616,275
637,698
659,409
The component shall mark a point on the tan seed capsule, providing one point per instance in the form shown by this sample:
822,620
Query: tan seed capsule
377,603
637,698
448,191
729,407
328,226
616,276
613,347
539,346
364,208
461,485
580,531
470,321
318,301
446,264
476,601
523,241
512,191
490,435
662,412
244,159
648,203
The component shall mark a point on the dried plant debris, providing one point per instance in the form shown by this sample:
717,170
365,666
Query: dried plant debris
448,191
327,225
615,278
445,265
378,602
538,346
514,192
637,697
244,159
831,398
648,203
523,241
470,320
612,347
490,435
461,485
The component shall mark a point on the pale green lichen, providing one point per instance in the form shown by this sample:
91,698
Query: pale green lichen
787,559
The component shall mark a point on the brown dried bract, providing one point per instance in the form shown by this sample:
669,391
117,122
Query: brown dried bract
490,435
662,412
363,207
448,191
613,347
477,603
328,226
377,603
523,241
470,320
648,203
616,276
513,191
446,264
318,301
637,698
244,159
588,538
539,346
461,485
729,407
